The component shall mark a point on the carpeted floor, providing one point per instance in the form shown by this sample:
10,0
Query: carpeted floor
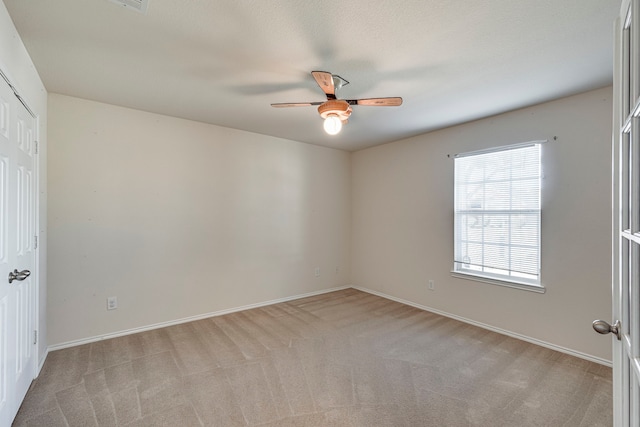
346,358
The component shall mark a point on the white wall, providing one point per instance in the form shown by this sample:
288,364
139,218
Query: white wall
403,222
179,218
17,65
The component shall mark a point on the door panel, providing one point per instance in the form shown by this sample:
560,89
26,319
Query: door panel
626,216
17,252
25,254
8,245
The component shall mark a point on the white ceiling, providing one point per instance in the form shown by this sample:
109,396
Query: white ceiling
224,61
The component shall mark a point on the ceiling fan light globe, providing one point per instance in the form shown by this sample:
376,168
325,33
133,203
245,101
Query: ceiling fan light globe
332,124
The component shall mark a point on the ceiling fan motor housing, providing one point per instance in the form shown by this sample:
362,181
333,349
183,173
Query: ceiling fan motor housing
338,107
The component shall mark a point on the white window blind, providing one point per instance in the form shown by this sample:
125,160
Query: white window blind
497,214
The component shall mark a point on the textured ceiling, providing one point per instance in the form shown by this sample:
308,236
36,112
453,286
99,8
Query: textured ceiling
224,62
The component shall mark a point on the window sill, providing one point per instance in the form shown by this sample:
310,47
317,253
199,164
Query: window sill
516,285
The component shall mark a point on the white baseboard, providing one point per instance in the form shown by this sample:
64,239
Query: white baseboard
492,328
42,360
186,320
320,292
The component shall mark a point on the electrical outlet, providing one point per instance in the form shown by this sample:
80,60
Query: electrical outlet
317,272
112,303
431,286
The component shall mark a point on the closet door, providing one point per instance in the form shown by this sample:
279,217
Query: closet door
17,252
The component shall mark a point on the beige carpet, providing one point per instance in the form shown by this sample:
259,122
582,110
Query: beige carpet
345,358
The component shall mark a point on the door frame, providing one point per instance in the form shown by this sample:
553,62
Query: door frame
616,288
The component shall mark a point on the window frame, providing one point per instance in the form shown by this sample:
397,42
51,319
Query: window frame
499,279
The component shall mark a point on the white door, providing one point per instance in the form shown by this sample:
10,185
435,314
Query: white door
17,252
626,219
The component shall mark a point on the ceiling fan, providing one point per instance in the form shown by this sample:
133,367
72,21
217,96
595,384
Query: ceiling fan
334,111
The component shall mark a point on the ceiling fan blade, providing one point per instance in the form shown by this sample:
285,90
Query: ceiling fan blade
377,102
294,104
325,81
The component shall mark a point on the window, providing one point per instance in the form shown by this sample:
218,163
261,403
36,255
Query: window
497,214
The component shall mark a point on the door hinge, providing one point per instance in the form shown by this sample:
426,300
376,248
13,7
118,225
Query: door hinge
36,146
35,337
35,242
